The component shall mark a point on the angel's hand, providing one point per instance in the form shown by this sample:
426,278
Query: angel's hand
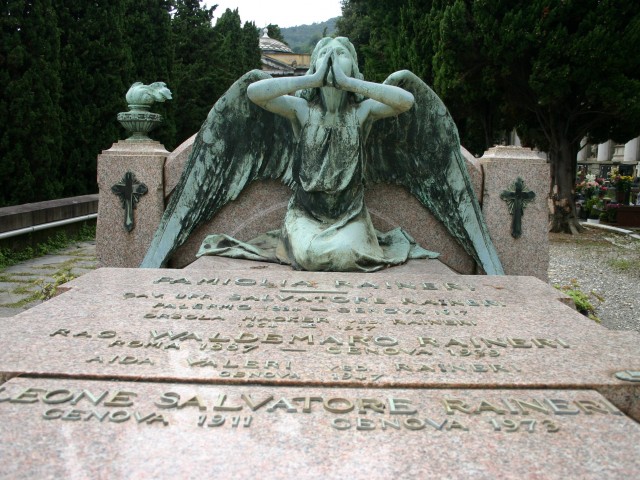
340,79
322,71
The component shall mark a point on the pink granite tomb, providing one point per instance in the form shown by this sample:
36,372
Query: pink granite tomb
257,370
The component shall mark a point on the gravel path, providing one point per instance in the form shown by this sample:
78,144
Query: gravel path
605,266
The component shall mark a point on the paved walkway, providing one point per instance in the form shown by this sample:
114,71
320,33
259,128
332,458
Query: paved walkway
22,285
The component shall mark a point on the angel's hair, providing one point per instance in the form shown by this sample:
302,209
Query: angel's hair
311,94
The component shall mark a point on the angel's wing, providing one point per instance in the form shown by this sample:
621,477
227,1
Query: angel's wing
238,143
420,149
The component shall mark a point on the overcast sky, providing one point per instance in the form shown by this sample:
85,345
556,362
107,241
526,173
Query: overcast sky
284,13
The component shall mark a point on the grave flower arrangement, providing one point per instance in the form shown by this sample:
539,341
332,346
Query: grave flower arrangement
594,207
591,187
622,184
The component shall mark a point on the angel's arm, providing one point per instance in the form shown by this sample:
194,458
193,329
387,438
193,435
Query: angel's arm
271,94
382,100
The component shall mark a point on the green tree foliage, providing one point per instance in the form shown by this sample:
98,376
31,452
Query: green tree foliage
274,32
195,66
563,71
96,63
208,59
237,50
251,45
356,24
404,34
559,70
65,66
148,33
30,133
463,77
372,27
389,36
413,46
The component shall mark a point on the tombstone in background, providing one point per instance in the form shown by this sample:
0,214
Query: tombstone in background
131,201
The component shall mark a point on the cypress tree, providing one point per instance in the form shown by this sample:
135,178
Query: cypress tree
29,102
231,48
196,85
372,27
96,62
148,34
251,43
274,32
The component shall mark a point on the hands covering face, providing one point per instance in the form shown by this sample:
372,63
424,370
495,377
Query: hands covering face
332,64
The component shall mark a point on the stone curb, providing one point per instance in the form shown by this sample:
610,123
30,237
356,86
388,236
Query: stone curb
631,233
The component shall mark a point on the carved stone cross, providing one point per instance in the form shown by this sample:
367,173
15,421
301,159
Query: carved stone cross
517,199
129,190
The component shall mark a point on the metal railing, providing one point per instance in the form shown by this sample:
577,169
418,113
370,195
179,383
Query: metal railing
46,226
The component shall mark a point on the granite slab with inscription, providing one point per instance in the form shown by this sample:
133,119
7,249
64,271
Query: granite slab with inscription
112,429
302,328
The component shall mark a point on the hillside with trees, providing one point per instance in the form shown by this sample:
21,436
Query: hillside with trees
303,38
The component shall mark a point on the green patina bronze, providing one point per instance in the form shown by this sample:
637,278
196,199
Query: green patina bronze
517,199
138,120
335,135
129,190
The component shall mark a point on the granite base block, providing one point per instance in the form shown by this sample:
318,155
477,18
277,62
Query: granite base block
103,429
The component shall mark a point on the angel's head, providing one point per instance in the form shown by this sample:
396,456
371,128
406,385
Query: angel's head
347,57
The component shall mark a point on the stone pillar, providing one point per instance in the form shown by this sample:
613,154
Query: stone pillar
515,139
134,169
502,167
631,151
583,152
604,151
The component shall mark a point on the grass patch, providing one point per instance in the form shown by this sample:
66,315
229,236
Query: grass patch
80,255
621,264
22,290
66,265
21,303
624,264
590,242
582,300
12,278
43,290
48,290
53,244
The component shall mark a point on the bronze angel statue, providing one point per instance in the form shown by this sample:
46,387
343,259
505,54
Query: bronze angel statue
327,135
